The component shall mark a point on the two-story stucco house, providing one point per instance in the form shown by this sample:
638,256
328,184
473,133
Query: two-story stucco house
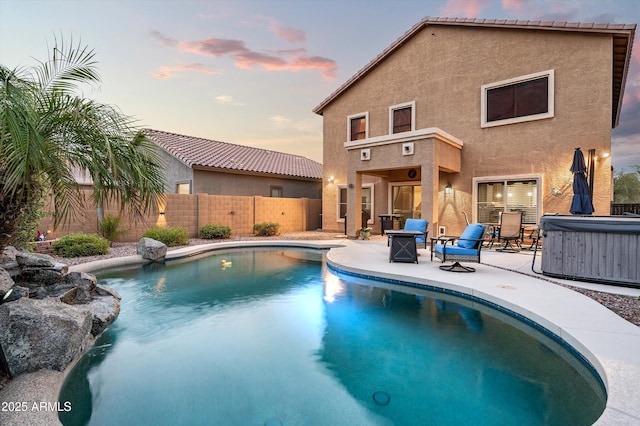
474,116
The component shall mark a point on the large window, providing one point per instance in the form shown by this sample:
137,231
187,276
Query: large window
367,202
521,99
357,126
402,118
498,196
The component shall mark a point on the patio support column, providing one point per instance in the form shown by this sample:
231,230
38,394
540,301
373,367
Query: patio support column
430,182
354,202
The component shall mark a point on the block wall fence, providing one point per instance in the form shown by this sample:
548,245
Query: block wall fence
192,211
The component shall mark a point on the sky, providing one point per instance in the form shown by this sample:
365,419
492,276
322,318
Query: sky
251,72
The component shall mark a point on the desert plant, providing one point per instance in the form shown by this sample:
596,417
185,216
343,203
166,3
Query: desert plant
266,229
75,245
213,231
169,235
110,228
48,129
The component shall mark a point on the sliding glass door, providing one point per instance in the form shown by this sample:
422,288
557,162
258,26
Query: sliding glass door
498,196
406,201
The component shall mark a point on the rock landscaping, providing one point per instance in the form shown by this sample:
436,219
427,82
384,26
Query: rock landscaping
47,314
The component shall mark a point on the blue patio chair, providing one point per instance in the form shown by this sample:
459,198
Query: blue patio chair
465,248
419,225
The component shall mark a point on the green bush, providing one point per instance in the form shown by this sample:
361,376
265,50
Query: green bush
75,245
266,229
169,235
110,227
213,231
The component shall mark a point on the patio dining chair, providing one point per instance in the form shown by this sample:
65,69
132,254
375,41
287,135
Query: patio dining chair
510,230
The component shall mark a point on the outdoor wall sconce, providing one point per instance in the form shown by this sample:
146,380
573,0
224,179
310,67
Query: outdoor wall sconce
350,185
161,212
448,189
331,179
555,192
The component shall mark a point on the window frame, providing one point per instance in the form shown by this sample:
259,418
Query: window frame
506,180
364,115
338,201
183,182
549,74
278,187
404,105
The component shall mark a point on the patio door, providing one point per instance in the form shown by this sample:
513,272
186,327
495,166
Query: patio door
406,201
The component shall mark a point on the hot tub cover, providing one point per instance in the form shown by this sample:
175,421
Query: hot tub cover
610,224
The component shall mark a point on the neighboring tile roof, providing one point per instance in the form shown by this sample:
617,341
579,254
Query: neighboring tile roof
194,151
622,45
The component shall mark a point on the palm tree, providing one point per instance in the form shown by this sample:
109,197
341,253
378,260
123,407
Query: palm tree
48,130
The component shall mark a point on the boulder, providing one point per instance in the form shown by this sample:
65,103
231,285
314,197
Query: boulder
103,290
5,282
81,279
151,249
76,296
104,310
8,255
42,334
17,292
33,276
25,258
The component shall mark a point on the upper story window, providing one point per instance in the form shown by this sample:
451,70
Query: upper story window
525,98
402,118
357,126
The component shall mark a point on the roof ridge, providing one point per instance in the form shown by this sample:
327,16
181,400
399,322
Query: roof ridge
198,151
229,143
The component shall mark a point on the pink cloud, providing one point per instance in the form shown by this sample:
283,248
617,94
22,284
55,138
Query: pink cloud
213,47
290,34
167,71
463,8
245,58
514,4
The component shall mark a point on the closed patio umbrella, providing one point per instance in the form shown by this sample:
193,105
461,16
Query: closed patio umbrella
581,203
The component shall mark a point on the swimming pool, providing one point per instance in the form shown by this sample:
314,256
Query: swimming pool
274,337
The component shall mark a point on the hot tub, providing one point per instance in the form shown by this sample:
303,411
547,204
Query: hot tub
592,248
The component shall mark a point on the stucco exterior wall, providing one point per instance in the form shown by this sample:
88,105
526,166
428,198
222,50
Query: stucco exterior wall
220,183
442,69
175,171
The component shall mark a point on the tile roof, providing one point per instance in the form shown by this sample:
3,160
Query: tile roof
622,45
201,152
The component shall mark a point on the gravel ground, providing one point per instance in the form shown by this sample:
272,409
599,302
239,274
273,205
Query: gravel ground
625,306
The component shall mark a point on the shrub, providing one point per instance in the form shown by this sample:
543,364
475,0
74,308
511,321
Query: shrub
266,229
75,245
213,231
169,235
109,228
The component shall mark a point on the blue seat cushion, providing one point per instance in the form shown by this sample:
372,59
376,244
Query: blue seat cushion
419,225
455,250
415,225
471,232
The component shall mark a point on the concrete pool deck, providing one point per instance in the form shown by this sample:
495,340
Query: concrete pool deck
610,343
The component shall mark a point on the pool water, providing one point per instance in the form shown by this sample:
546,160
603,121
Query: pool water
275,338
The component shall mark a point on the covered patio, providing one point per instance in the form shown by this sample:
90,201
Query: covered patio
408,169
